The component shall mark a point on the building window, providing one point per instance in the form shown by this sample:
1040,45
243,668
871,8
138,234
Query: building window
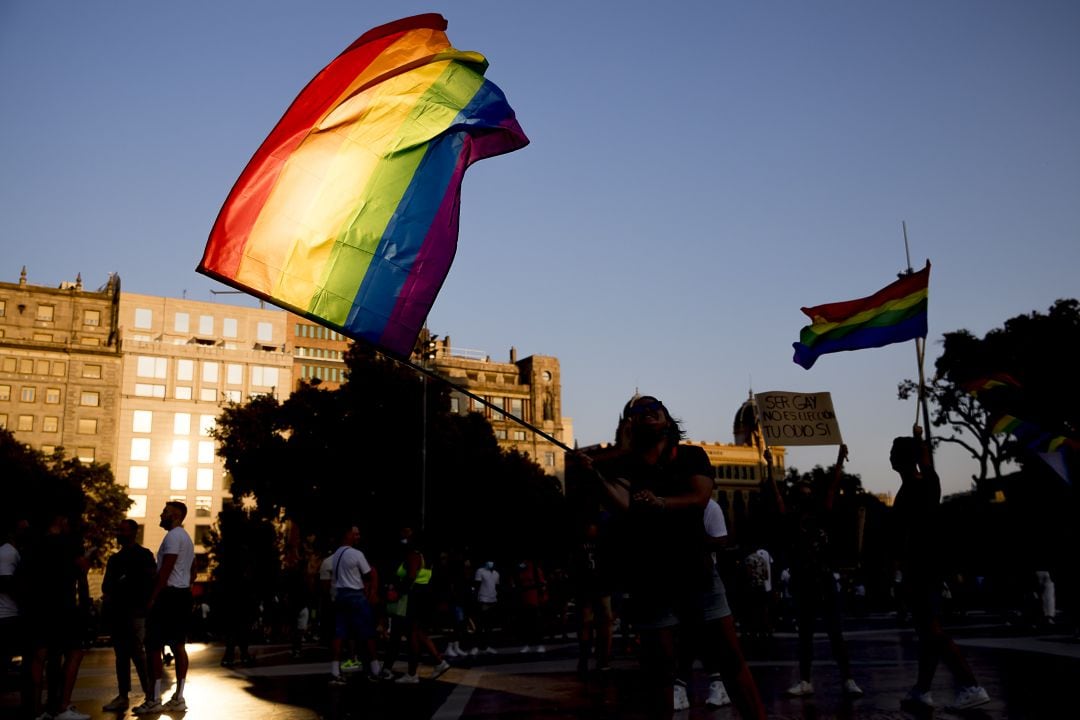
517,407
201,535
3,307
152,367
264,376
203,505
8,364
519,435
233,396
149,390
50,424
48,450
206,451
45,312
3,420
142,421
206,424
138,506
182,424
181,450
264,332
91,318
144,318
28,394
183,392
206,325
41,367
5,392
26,366
52,396
208,394
234,374
185,370
140,449
89,370
178,478
87,426
181,322
139,477
86,454
204,479
26,423
228,327
58,369
500,434
89,398
210,372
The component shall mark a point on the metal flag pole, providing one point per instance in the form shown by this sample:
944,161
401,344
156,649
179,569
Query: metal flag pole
920,357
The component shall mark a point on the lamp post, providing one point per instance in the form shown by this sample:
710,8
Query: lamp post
430,346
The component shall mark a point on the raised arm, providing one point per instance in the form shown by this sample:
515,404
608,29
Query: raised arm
834,484
770,481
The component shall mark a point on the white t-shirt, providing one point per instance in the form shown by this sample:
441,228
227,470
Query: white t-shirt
177,542
326,572
489,581
715,525
9,560
349,566
759,566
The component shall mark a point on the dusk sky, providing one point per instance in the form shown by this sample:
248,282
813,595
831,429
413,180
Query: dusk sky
698,171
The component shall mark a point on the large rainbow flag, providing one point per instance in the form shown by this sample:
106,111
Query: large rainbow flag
348,212
893,314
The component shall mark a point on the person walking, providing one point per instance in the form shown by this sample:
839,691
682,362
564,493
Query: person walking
414,585
170,610
355,588
532,596
915,514
129,578
591,575
806,519
486,590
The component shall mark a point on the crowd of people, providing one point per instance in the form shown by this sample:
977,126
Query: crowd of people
651,556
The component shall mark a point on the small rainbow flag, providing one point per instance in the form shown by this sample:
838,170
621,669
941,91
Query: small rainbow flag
893,314
348,212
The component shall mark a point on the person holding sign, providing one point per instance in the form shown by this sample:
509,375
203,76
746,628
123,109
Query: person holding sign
915,516
805,519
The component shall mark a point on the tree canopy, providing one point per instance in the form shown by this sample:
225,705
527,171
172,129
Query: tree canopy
1032,379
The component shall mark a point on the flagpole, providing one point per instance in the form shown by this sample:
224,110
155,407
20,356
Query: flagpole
434,375
920,357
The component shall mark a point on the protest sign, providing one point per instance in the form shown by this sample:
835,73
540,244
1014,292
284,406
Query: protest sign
793,418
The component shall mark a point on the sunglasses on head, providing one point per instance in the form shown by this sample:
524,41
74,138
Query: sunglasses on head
644,407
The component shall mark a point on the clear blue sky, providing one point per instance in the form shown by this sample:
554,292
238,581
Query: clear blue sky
698,172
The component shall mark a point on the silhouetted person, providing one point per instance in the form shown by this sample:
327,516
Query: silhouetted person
806,520
915,513
129,578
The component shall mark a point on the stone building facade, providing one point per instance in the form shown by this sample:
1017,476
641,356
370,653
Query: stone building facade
60,365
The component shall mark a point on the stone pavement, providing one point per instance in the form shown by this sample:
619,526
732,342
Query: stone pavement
1028,675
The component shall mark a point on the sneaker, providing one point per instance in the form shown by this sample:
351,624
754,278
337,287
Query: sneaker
408,679
440,669
474,652
175,704
44,716
337,679
718,696
149,705
72,713
970,697
800,689
350,666
850,688
386,674
117,704
681,702
916,699
541,649
490,651
525,650
451,652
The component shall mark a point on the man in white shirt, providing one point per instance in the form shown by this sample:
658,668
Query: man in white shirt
10,630
486,583
170,609
354,594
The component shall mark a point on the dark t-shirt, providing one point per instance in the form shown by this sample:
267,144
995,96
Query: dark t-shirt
129,579
915,517
661,550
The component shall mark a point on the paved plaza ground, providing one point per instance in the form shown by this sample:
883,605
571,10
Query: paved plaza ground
1029,675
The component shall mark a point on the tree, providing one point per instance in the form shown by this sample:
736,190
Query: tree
1034,352
37,486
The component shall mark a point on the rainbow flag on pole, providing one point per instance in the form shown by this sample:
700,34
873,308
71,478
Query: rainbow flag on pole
893,314
348,212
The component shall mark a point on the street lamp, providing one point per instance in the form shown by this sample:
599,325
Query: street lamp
429,352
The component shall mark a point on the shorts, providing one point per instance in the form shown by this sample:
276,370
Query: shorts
352,615
654,611
169,619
